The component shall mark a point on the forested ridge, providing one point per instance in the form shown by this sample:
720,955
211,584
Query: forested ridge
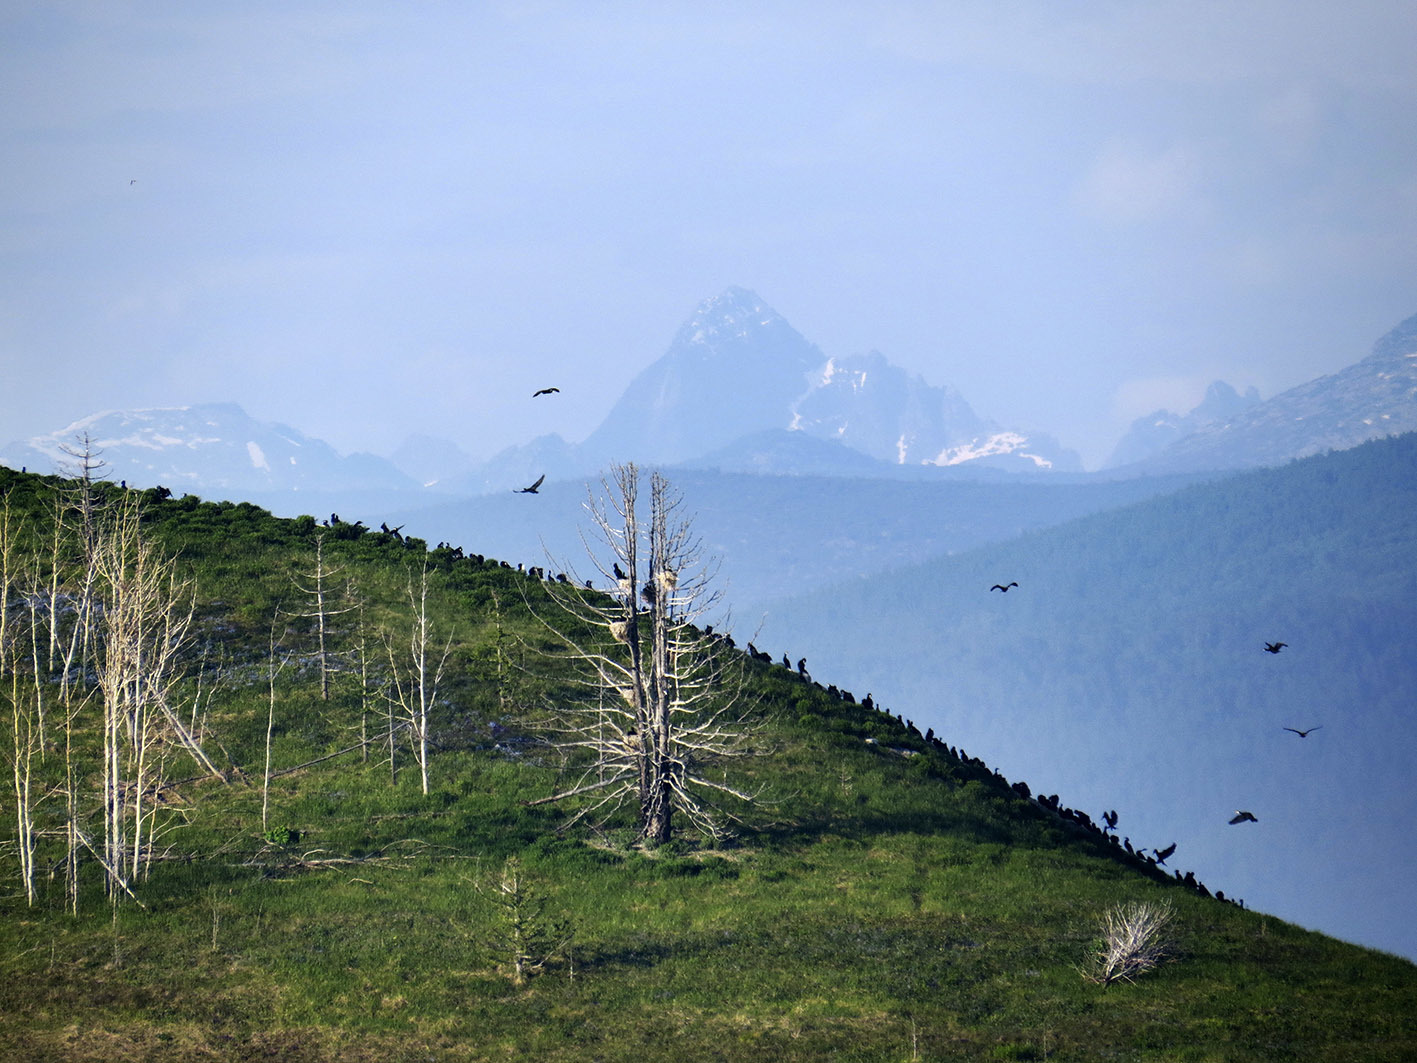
1129,666
305,883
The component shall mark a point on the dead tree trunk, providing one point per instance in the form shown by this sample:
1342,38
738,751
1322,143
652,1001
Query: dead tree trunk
678,688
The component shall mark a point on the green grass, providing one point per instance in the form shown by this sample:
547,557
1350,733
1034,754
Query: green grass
872,906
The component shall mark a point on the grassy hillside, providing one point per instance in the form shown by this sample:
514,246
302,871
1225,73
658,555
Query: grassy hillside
1128,671
883,900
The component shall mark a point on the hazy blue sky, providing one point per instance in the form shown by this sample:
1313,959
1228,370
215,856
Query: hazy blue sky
369,220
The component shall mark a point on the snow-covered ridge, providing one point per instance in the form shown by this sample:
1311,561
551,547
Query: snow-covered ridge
214,449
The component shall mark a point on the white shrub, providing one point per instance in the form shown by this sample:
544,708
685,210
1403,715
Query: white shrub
1133,942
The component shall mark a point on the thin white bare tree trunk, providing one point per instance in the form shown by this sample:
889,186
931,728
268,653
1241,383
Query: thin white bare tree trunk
415,675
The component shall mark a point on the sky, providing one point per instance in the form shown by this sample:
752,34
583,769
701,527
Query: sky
369,221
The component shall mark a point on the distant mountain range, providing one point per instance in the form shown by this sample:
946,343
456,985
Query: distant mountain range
740,390
215,450
736,370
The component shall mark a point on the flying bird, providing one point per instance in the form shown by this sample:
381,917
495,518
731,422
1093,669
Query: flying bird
532,489
1304,734
1243,817
1162,854
1274,647
1003,587
545,391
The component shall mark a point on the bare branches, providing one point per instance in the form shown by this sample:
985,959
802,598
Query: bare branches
657,699
323,601
144,624
1133,942
414,673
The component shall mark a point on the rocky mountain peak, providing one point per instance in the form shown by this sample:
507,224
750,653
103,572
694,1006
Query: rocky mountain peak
1370,399
1160,428
1398,342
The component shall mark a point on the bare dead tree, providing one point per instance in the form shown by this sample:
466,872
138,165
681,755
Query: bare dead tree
77,509
674,714
145,618
325,603
86,467
361,648
25,705
275,664
415,673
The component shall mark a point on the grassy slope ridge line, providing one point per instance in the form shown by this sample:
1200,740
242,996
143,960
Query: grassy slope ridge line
884,900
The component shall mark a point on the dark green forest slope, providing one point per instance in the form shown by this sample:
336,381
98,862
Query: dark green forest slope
880,899
1128,671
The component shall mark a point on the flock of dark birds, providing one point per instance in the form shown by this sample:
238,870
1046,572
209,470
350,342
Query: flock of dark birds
1155,858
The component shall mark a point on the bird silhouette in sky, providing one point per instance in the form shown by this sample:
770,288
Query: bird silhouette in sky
1243,817
1162,854
1003,587
545,391
1304,734
1274,647
533,488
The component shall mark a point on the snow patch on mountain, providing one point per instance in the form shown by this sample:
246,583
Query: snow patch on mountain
882,410
999,444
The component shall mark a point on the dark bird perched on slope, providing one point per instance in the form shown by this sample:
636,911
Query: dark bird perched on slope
1243,817
1110,819
545,391
533,488
1304,734
1003,587
1274,647
1162,854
